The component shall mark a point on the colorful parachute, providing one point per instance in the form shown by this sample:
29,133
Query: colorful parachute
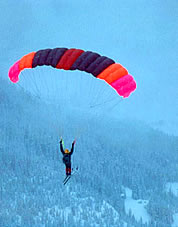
100,67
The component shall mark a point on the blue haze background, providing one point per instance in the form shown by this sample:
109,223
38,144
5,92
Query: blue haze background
142,36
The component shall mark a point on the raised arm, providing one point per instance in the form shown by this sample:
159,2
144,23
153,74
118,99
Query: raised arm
61,147
72,148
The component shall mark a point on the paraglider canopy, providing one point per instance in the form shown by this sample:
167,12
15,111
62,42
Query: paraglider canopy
99,66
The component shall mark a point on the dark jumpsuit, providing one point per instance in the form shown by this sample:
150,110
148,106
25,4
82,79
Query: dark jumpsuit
68,157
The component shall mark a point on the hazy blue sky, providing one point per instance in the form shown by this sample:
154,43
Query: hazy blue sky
141,35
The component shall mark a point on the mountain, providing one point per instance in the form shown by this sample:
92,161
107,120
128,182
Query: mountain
113,156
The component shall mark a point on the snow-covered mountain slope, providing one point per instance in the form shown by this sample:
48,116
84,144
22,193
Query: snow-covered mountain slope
136,207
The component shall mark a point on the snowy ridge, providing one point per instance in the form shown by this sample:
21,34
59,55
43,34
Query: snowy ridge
173,187
97,213
137,207
168,127
175,218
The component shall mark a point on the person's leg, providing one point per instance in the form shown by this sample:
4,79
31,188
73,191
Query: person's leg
68,169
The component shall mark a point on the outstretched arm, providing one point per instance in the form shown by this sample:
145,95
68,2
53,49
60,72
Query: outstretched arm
61,147
72,149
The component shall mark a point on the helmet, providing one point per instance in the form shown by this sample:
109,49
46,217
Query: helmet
66,151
